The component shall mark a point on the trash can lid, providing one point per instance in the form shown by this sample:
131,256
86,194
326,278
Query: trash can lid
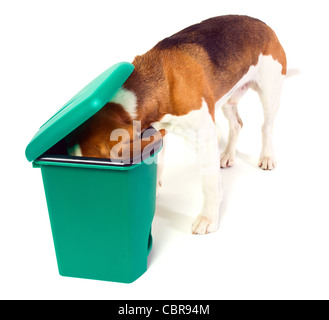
79,109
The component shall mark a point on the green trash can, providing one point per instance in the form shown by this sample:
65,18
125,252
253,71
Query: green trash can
100,210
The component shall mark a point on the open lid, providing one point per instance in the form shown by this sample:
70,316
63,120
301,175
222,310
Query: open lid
79,109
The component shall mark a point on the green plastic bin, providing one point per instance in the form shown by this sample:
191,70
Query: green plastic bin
100,211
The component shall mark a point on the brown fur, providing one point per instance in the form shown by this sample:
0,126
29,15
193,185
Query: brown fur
202,61
185,72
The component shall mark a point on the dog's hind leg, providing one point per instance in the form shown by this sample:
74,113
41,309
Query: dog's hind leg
269,90
230,110
231,114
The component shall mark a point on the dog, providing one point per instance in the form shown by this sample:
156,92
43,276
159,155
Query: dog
175,87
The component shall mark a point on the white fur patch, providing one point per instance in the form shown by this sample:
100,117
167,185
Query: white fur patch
256,73
128,100
75,151
266,78
187,125
198,128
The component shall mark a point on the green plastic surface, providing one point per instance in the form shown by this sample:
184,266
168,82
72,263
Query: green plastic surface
79,109
100,216
101,219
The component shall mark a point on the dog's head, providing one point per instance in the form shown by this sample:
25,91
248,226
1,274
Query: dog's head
111,133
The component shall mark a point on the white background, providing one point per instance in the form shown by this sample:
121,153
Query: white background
274,234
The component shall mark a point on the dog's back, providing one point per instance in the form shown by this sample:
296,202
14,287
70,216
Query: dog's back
204,60
231,41
226,37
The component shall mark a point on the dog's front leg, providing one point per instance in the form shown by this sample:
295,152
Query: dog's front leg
208,155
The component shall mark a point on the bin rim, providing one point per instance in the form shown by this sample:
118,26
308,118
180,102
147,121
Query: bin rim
77,161
102,163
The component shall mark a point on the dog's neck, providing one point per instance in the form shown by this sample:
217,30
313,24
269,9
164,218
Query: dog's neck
148,84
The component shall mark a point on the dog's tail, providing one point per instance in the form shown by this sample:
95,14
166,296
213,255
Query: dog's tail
292,72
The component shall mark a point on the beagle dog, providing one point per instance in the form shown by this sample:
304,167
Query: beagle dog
176,86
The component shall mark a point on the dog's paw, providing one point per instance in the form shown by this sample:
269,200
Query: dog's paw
267,163
204,225
226,160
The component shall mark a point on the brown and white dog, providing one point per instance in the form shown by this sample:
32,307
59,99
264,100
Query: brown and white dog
175,87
